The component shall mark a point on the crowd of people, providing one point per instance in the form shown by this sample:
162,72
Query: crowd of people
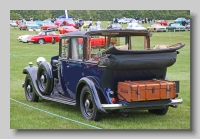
80,22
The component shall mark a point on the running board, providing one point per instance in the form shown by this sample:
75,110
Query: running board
60,100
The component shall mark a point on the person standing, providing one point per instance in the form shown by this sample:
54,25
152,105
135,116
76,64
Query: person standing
98,24
109,26
64,23
116,20
183,22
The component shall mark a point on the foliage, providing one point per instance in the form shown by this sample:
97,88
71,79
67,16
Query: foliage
14,15
103,15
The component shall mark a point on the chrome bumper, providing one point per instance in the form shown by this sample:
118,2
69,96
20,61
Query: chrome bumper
145,104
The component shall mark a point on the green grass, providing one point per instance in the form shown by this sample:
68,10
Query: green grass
52,115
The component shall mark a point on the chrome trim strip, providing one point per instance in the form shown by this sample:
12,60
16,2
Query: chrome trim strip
177,101
111,105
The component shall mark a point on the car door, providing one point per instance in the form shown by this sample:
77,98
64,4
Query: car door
48,37
72,66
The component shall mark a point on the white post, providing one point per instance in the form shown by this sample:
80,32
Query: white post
66,14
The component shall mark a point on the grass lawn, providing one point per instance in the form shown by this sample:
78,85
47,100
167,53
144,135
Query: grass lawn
51,115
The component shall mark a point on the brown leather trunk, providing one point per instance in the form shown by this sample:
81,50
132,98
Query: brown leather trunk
146,90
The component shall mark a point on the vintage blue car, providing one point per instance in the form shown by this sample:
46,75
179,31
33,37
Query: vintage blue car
106,79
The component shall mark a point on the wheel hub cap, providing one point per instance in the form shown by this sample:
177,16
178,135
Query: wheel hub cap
28,88
43,78
87,104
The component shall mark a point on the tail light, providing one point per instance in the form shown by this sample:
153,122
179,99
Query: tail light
114,100
111,95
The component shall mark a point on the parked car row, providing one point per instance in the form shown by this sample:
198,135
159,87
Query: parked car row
46,35
156,27
28,25
170,27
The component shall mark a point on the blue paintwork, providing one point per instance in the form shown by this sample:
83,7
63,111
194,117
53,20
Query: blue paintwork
80,70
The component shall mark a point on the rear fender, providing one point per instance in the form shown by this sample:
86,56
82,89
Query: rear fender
32,71
96,90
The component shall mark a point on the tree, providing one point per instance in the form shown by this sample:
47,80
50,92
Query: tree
15,16
103,15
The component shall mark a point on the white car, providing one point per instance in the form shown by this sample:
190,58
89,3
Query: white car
91,28
135,26
126,20
13,23
23,38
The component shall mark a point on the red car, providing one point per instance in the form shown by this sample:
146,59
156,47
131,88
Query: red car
67,29
64,22
59,22
98,42
162,22
46,26
44,36
70,23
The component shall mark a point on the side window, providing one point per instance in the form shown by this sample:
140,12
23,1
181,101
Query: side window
65,47
49,33
96,46
77,48
120,43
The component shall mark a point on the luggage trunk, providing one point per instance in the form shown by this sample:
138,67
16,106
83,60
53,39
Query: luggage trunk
132,91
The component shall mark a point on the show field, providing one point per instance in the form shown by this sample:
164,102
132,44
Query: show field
52,115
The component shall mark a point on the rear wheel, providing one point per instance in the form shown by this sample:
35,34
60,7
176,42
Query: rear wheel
41,41
29,91
87,105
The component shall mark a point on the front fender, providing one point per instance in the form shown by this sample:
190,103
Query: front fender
96,90
32,71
